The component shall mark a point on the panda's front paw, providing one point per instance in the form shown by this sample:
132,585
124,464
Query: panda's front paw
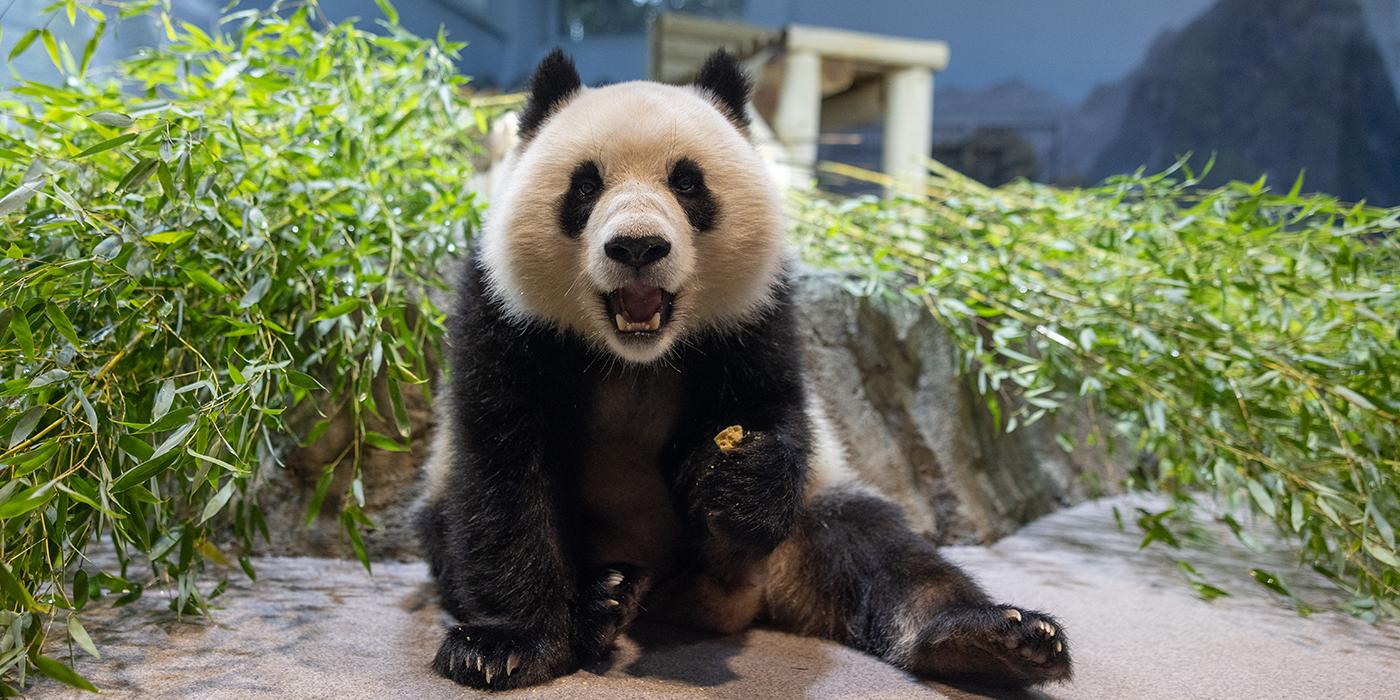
490,660
749,493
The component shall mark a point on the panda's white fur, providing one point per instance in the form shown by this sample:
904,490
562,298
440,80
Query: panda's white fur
635,131
574,479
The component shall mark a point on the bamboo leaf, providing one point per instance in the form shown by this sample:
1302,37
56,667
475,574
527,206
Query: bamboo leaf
57,671
26,424
302,380
383,442
107,145
1262,498
15,593
164,397
206,280
217,503
169,237
1270,581
137,175
51,47
24,335
1382,555
390,12
26,500
338,310
60,322
1383,526
255,292
356,541
17,197
1353,397
90,48
81,638
50,377
24,41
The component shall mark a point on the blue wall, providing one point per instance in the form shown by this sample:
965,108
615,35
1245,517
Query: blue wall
1065,46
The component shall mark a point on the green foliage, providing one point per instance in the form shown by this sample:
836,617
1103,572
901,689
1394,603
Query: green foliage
239,227
233,225
1242,343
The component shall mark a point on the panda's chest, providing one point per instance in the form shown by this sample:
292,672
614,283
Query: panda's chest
627,506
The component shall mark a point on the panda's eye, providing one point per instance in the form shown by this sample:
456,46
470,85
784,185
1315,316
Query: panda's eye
686,178
586,187
682,183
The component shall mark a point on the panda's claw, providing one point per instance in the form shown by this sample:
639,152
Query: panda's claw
1012,614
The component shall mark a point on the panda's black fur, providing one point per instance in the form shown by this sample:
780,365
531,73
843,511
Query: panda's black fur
512,543
552,82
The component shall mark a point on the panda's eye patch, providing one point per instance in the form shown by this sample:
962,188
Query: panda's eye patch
686,177
585,183
687,181
585,180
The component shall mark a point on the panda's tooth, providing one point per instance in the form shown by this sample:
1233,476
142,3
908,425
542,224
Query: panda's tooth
621,322
655,322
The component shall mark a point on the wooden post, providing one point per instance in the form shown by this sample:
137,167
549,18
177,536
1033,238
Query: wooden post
908,125
797,119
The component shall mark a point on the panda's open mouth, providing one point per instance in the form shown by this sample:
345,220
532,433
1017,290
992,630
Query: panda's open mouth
639,308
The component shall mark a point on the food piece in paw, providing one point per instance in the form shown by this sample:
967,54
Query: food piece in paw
728,439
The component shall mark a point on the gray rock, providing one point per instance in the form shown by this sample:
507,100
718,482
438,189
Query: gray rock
912,427
887,373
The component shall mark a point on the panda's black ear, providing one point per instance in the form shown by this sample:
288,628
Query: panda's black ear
722,77
554,81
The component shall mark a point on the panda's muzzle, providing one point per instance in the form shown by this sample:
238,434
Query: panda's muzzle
639,308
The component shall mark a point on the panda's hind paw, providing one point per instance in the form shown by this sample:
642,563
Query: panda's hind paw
997,644
1036,638
608,599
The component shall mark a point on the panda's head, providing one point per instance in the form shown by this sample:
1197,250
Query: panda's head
635,215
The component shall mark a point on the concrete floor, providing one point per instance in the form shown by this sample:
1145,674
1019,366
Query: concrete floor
316,628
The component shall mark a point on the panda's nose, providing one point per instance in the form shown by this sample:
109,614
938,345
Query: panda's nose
637,251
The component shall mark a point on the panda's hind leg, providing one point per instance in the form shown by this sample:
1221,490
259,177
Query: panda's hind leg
608,599
854,572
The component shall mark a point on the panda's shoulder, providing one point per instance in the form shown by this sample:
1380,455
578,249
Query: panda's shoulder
470,299
476,318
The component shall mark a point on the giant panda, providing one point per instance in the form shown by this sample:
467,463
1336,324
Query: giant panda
627,302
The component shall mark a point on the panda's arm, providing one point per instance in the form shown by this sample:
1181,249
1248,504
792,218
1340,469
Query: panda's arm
750,496
502,568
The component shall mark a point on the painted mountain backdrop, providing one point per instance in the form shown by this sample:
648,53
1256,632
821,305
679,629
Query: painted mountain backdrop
1267,87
